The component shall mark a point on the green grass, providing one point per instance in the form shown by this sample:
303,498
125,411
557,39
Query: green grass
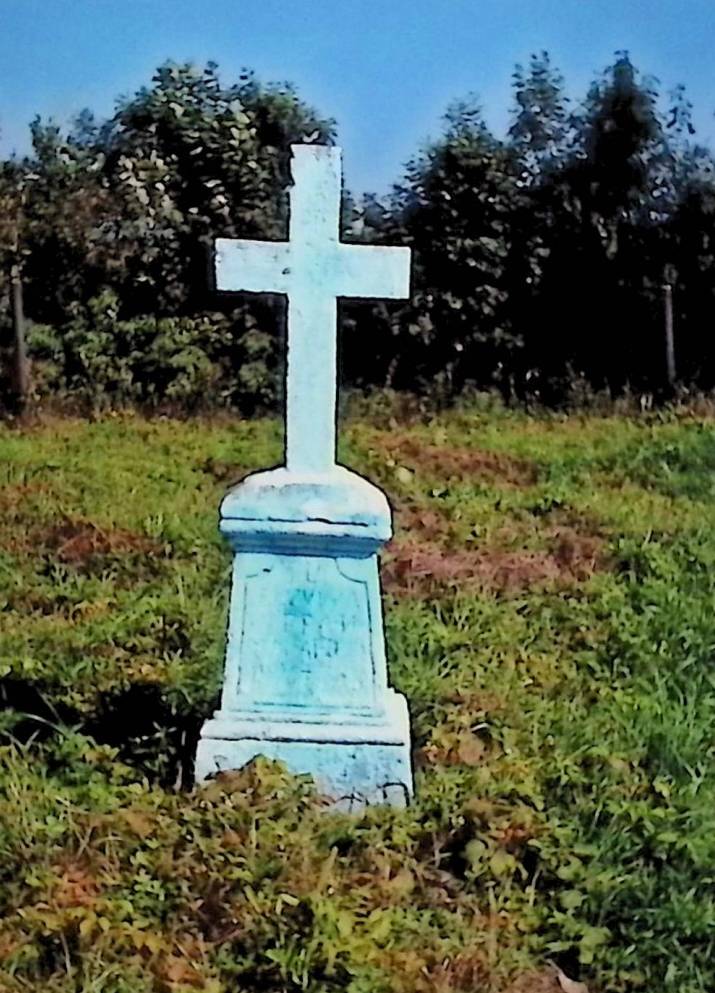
550,611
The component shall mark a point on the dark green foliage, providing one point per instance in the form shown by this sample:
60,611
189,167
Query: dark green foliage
539,259
186,363
455,210
134,203
541,129
598,207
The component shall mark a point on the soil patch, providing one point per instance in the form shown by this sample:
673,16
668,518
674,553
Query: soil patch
536,982
90,549
422,567
450,462
224,472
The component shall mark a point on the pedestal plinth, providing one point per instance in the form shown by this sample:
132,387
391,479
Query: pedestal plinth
306,678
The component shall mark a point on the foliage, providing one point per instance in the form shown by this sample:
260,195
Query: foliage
185,363
540,130
539,259
135,202
562,718
454,209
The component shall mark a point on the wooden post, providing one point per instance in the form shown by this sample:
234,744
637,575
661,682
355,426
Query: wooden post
20,364
669,343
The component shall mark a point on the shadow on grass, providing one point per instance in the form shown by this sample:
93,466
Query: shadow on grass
153,734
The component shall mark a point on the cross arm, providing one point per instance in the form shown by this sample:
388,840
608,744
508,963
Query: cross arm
373,271
252,266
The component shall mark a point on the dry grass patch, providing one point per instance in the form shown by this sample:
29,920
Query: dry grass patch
536,982
19,507
428,555
82,544
456,463
85,545
420,567
76,887
431,972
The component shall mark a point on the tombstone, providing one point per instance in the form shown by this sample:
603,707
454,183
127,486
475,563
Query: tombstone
305,675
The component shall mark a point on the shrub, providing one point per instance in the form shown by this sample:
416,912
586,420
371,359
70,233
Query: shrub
206,361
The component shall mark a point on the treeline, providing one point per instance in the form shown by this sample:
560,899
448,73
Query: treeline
541,260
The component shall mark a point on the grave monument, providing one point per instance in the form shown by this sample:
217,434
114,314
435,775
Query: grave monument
305,675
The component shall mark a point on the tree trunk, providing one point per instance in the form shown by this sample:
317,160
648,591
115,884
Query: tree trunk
20,366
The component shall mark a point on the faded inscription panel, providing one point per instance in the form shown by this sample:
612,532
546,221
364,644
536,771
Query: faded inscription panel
309,644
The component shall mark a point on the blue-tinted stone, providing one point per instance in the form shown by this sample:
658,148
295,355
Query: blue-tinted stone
306,678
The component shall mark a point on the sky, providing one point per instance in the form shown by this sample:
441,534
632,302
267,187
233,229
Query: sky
386,70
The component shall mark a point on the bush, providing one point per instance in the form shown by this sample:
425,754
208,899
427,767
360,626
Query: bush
204,361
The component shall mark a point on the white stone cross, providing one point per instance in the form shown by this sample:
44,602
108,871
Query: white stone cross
312,269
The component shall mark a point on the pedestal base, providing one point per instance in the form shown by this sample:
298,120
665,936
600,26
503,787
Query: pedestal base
353,764
306,679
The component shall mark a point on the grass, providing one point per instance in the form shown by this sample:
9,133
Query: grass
550,606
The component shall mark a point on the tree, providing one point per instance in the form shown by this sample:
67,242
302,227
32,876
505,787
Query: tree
540,137
540,131
135,202
191,159
691,253
594,314
454,209
68,210
128,208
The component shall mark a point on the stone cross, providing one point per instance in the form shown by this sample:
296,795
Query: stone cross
312,269
305,679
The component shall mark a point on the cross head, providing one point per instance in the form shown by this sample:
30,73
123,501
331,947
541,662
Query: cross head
312,269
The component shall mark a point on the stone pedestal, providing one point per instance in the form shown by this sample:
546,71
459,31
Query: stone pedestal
306,678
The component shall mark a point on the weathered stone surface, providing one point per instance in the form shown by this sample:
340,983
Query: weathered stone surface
306,676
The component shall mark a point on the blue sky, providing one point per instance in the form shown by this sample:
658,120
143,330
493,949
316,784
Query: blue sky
385,69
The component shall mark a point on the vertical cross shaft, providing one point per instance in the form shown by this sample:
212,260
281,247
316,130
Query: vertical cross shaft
311,381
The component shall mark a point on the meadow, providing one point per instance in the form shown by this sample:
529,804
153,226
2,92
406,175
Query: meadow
550,612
